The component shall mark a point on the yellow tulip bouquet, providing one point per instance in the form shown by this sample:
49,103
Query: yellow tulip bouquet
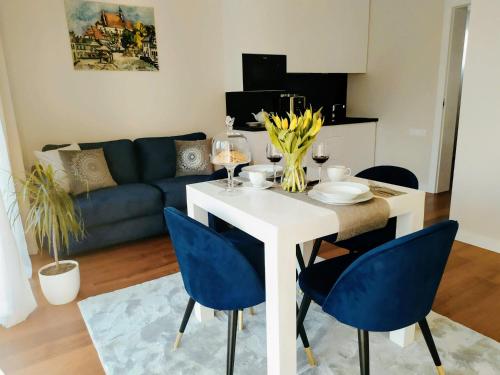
293,136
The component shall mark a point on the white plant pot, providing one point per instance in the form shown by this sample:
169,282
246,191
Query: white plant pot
62,288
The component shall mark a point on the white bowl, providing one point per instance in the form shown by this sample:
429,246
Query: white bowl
344,191
266,168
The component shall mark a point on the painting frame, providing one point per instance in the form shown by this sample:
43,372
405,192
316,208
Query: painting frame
111,36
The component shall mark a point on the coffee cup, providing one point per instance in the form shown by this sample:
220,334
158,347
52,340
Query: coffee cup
338,172
257,178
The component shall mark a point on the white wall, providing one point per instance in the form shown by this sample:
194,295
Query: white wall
318,36
475,201
401,81
54,103
200,48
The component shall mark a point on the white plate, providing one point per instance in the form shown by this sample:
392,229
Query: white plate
322,198
266,168
342,191
248,185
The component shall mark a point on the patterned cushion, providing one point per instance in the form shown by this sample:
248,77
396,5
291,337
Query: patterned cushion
157,155
87,170
52,158
193,158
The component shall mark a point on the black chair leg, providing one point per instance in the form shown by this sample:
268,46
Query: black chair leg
315,251
364,352
301,314
231,340
300,258
426,332
307,348
314,254
185,320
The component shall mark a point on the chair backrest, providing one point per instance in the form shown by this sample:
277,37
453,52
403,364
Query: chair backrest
214,272
393,285
391,175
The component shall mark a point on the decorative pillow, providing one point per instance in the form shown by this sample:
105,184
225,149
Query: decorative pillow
193,158
53,159
87,170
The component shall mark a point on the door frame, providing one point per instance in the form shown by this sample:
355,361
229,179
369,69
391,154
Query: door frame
437,138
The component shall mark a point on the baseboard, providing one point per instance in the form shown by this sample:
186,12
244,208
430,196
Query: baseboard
487,243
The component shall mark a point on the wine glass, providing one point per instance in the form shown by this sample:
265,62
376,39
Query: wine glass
320,155
274,156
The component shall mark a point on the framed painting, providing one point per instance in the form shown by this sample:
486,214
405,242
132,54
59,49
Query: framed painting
106,36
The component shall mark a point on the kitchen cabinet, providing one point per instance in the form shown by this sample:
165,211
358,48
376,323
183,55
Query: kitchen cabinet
318,36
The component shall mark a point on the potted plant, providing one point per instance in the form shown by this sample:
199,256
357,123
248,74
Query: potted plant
52,217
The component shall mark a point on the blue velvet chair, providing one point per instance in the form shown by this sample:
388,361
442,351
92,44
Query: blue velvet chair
367,241
221,271
385,289
220,225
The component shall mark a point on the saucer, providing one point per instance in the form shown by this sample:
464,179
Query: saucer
266,185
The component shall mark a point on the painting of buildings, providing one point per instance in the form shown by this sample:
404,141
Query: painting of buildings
106,36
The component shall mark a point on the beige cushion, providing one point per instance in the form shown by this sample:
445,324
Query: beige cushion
193,158
87,170
53,159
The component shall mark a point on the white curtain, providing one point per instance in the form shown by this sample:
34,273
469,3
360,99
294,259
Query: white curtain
16,298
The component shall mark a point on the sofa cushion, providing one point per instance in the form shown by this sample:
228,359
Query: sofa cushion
120,156
118,203
157,155
174,189
87,170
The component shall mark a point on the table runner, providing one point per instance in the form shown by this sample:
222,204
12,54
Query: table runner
353,219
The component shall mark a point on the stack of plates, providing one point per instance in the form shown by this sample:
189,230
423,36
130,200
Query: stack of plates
341,193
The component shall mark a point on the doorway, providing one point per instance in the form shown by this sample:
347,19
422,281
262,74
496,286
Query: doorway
452,97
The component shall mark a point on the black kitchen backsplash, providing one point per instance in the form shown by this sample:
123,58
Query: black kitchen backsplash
320,90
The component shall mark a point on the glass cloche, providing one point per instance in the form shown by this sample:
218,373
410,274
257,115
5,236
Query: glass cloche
230,149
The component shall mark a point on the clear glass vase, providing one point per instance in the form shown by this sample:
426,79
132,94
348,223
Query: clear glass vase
294,177
230,149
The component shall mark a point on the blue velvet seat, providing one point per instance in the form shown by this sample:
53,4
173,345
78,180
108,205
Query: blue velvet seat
385,289
117,203
173,189
221,271
132,211
318,279
384,173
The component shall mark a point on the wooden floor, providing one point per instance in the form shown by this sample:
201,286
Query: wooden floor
54,340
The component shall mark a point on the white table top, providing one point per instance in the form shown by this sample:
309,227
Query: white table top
281,212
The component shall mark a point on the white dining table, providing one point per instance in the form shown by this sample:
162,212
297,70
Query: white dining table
281,222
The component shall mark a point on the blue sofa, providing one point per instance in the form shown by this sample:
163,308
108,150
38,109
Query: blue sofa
144,170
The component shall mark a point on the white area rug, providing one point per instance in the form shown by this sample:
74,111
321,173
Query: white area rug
133,330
